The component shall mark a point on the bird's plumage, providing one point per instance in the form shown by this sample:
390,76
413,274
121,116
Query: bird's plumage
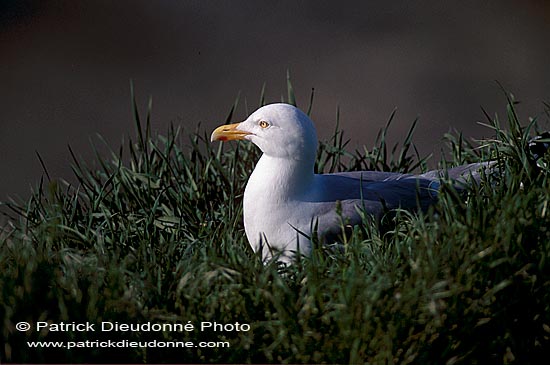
284,200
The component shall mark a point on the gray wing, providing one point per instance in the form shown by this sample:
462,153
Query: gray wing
392,190
465,175
346,194
401,190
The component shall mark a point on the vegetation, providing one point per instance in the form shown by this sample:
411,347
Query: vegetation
157,237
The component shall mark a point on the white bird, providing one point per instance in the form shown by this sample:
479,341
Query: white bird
284,200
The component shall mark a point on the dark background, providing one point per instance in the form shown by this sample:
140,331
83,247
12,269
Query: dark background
65,68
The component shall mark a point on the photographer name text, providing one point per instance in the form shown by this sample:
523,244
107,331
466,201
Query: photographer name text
133,327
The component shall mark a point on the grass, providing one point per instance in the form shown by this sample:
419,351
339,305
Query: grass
157,237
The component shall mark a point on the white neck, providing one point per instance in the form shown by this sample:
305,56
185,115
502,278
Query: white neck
281,177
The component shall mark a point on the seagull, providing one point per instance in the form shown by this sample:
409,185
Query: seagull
285,202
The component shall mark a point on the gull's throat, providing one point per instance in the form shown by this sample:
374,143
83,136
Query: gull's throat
282,177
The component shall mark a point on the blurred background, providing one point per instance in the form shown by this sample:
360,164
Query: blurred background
65,67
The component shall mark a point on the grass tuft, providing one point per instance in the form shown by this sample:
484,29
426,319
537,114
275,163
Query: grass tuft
158,238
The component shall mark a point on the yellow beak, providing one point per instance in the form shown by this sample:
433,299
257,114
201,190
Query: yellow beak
228,132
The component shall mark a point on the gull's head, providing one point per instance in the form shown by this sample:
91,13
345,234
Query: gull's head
279,130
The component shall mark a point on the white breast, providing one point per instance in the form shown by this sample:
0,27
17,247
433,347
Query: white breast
274,209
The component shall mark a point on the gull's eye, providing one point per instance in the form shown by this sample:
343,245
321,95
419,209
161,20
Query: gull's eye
264,124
